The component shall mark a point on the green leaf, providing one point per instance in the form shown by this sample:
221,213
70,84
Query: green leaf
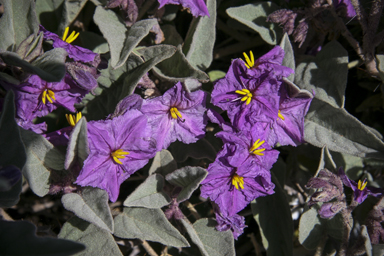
210,241
41,157
177,68
17,23
106,102
94,42
78,149
163,163
91,205
188,178
273,215
200,39
49,66
149,194
148,224
216,75
49,13
289,57
254,16
171,35
71,10
97,240
19,238
12,150
326,74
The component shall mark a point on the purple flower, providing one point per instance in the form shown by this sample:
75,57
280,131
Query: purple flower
197,7
288,128
246,100
233,187
346,6
360,189
177,115
36,97
249,148
268,63
118,148
235,223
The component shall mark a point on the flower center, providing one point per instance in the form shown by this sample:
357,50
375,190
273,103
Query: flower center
281,116
71,38
73,119
48,95
255,148
238,181
247,95
362,184
175,113
250,62
119,154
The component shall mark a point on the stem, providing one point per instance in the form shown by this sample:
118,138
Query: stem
321,245
192,209
360,13
347,217
255,244
148,248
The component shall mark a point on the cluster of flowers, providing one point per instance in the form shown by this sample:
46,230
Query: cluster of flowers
264,109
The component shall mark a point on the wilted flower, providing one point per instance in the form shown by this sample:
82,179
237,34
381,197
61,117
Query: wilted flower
235,223
197,7
284,17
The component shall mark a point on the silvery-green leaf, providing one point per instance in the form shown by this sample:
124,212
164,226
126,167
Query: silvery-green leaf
94,42
171,35
78,148
367,240
200,39
148,224
378,249
97,240
289,57
163,163
254,16
49,13
276,227
326,74
210,241
177,68
70,12
188,178
31,47
41,157
149,194
49,66
310,229
380,65
17,23
91,205
19,238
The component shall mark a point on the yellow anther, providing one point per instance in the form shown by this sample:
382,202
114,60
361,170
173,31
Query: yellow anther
362,184
71,38
119,154
48,95
249,62
247,95
175,113
281,116
73,119
255,148
238,181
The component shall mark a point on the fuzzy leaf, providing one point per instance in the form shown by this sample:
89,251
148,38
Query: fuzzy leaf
149,194
326,74
254,16
289,57
310,229
41,157
276,227
210,241
17,23
177,68
188,178
200,39
378,249
97,240
94,42
106,102
380,65
148,224
19,238
91,205
49,66
49,13
78,148
71,10
367,240
163,163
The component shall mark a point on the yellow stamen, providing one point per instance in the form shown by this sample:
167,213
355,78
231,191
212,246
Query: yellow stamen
281,116
48,95
249,62
73,119
247,95
175,113
254,149
362,184
71,38
119,154
238,181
